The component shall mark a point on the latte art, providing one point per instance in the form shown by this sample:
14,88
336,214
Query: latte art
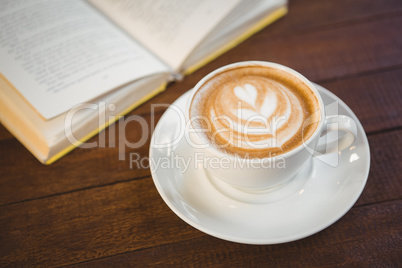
253,111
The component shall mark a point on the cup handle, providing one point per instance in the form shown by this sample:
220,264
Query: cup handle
337,123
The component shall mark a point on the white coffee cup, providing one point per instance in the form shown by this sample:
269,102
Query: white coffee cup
262,173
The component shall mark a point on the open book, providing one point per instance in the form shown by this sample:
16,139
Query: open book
68,69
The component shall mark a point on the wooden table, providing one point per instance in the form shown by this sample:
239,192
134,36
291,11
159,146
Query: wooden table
92,209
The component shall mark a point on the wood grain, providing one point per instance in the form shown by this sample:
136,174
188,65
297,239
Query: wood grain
328,245
329,54
62,231
131,216
325,14
85,168
92,209
81,168
374,98
88,224
4,133
384,183
302,19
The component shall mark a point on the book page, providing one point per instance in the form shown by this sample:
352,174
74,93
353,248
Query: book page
247,18
170,29
58,54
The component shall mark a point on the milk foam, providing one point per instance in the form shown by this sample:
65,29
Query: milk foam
250,113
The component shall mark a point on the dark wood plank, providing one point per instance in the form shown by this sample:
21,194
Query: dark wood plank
324,14
92,209
374,98
363,246
130,216
4,133
328,54
312,16
385,179
88,224
81,168
88,234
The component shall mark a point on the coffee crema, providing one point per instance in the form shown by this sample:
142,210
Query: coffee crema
254,111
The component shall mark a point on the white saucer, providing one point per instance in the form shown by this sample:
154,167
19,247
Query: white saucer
317,197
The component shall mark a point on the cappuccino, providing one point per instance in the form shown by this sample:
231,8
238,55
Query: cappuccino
254,111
